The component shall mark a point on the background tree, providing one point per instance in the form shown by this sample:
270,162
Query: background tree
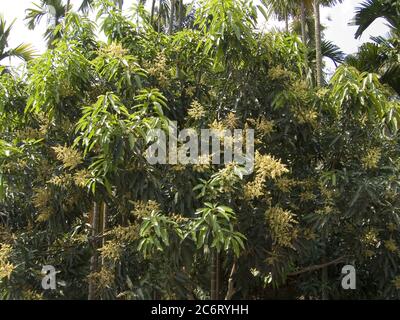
23,51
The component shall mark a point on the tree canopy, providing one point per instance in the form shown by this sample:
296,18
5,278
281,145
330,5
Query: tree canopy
77,192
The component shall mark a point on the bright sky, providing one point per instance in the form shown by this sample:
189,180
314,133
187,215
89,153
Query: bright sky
335,19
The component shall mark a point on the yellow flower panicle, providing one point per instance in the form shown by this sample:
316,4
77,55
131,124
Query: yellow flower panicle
371,158
282,225
159,69
62,180
6,268
115,50
196,111
144,209
391,245
266,167
231,121
81,178
70,157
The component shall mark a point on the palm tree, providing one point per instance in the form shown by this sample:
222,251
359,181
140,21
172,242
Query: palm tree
24,51
370,10
382,55
89,4
54,10
318,52
171,16
282,9
318,35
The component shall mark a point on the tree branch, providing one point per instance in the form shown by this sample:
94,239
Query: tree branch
317,267
231,287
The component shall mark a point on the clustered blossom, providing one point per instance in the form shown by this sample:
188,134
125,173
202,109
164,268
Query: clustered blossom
196,111
70,157
266,166
391,245
81,178
144,209
115,50
111,250
62,180
263,126
285,184
6,268
231,121
282,226
370,238
371,158
307,116
104,279
41,201
159,69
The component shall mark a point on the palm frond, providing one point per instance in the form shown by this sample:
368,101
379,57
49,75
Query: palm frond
24,52
370,10
332,51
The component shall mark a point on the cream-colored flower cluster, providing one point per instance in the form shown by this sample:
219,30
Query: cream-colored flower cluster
102,280
231,121
266,167
279,73
262,126
308,116
371,158
114,50
282,225
285,184
391,245
144,209
63,180
158,69
81,178
6,268
196,111
41,201
70,157
217,125
111,251
28,133
124,234
370,237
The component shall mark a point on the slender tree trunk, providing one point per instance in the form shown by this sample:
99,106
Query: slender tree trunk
318,42
120,4
287,22
213,291
94,263
303,22
181,15
171,17
303,33
231,287
68,4
104,218
159,16
153,6
217,276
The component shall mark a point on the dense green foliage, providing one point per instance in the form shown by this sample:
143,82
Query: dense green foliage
76,124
